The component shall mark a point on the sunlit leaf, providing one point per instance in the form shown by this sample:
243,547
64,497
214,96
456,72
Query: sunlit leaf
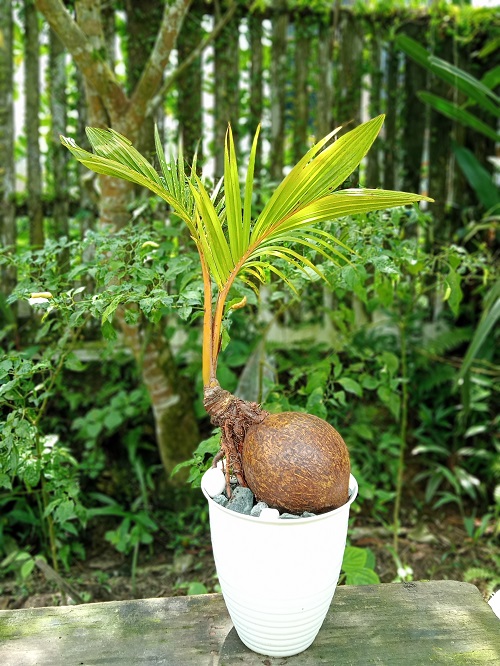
454,112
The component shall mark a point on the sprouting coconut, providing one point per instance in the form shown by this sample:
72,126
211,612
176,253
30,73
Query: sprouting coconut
293,461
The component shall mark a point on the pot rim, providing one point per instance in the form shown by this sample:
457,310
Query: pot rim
353,493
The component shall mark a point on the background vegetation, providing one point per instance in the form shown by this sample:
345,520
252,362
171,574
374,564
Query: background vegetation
100,371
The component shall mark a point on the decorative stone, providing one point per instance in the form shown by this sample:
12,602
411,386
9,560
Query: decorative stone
307,514
214,481
241,500
258,508
288,516
220,499
270,514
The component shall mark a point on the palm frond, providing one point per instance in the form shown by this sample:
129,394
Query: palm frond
233,198
116,157
229,244
319,172
247,205
341,204
209,225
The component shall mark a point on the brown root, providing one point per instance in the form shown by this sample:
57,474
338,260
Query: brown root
234,416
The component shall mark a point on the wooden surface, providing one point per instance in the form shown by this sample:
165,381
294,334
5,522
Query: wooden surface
397,624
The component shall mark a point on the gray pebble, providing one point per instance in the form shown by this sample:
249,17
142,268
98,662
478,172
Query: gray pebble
307,514
241,501
288,516
257,509
220,499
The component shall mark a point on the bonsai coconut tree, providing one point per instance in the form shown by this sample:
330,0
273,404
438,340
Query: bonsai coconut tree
292,461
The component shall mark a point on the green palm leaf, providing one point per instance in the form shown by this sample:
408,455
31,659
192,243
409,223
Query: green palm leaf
229,244
224,233
319,172
115,156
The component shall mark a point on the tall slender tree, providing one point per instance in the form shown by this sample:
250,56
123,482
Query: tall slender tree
32,122
57,82
7,170
125,108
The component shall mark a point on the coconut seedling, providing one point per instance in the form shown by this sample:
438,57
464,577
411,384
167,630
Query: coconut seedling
292,461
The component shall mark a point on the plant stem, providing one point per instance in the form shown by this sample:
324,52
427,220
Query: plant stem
45,503
135,555
217,327
207,322
403,431
39,448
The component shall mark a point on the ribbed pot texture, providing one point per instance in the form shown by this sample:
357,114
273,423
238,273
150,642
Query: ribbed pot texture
278,577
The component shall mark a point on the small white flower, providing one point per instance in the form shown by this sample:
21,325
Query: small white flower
39,297
405,572
36,301
49,441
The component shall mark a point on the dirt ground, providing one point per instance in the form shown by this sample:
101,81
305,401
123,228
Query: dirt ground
437,549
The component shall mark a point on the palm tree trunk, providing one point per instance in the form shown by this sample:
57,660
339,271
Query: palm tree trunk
7,177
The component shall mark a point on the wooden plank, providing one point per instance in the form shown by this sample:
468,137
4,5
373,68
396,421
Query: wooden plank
412,624
179,631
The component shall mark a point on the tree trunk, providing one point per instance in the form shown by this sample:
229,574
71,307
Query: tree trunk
303,32
324,120
441,130
189,90
59,158
171,396
391,119
143,23
32,123
7,168
256,65
115,194
373,157
109,106
226,89
414,131
86,179
349,78
278,91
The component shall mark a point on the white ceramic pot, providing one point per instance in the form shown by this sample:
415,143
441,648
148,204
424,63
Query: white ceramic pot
278,577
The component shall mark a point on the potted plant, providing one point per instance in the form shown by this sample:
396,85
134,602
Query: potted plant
277,575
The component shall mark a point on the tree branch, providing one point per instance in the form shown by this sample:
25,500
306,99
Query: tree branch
150,79
195,53
95,70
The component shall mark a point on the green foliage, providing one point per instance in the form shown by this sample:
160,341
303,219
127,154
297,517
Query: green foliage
358,567
404,295
201,460
40,475
486,574
477,94
225,236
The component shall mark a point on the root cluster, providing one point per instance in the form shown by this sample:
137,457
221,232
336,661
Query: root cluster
234,416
